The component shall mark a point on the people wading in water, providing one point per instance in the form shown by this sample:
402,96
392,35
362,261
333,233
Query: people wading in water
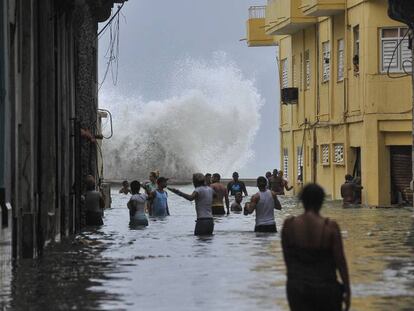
203,197
150,187
159,199
264,203
221,193
236,205
136,206
348,190
313,251
279,184
125,187
236,185
94,203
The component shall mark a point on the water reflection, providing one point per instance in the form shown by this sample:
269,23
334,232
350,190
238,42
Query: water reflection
164,267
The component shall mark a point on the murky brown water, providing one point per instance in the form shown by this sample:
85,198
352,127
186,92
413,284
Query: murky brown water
164,267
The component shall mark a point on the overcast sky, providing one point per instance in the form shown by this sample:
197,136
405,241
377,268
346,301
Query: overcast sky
156,34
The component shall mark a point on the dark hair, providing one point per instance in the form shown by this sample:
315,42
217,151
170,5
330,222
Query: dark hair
135,186
348,177
312,197
207,174
217,176
261,182
268,174
124,182
235,174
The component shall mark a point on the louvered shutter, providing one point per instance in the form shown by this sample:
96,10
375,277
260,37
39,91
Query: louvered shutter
340,60
405,56
388,47
285,77
325,61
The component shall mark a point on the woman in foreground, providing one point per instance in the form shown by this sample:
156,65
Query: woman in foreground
313,251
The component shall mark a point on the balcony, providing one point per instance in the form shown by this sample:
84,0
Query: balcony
285,17
256,35
320,8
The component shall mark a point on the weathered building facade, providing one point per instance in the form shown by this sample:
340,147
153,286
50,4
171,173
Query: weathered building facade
48,97
345,74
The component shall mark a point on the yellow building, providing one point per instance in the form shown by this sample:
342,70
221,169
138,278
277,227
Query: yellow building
345,94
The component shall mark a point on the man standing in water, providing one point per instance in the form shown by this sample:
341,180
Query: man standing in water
208,179
203,197
159,199
348,191
264,202
221,193
236,185
94,203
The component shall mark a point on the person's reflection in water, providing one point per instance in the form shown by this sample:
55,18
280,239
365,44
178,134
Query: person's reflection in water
313,251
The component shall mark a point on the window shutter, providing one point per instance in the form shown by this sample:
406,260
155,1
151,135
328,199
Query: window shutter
285,163
341,60
405,56
325,62
388,47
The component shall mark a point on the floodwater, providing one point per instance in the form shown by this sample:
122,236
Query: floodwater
164,267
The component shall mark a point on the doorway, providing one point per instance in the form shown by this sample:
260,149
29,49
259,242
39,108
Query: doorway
401,175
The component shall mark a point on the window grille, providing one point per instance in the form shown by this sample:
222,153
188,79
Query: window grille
307,70
341,58
339,153
285,73
395,58
300,162
285,163
326,58
325,154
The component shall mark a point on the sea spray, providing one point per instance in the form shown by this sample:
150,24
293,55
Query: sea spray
207,124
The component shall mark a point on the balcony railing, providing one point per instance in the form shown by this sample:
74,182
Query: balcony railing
257,12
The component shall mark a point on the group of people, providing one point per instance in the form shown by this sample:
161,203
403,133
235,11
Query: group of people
277,183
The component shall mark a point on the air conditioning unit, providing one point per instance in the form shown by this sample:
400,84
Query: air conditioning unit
289,95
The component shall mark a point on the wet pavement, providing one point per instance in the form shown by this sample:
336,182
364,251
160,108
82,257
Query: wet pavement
164,267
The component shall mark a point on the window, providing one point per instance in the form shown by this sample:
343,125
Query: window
326,58
307,70
339,154
325,154
341,57
285,163
393,56
294,73
285,76
300,163
355,59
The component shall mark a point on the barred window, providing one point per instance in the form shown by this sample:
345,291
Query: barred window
307,70
285,73
326,58
325,154
339,153
341,58
300,162
285,163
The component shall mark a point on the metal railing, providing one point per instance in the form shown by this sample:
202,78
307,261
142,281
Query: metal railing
257,12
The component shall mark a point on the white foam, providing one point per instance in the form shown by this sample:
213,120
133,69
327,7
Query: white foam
207,124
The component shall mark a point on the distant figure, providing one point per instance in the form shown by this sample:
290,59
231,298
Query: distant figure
136,206
125,187
236,205
208,179
348,191
159,199
268,176
94,203
279,184
150,187
264,202
313,251
236,185
274,183
203,197
221,193
358,190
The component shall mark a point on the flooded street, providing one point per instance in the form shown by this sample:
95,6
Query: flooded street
164,267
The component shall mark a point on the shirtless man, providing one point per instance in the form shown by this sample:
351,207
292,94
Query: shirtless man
348,191
279,184
125,187
221,193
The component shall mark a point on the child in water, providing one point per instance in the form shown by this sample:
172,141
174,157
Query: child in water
236,205
125,187
136,206
159,199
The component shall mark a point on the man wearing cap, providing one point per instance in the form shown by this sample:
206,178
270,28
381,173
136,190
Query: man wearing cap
159,199
203,197
236,185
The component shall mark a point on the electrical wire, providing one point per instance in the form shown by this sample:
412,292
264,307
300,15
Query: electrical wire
110,21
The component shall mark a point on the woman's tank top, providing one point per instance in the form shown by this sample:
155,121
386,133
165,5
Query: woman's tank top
159,204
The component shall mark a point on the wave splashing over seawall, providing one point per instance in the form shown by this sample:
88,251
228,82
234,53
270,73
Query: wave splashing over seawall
207,125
